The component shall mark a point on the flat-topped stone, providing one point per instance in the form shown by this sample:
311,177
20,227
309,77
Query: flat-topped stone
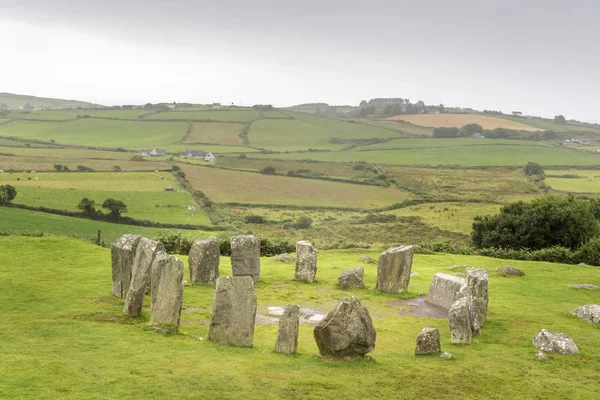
287,336
352,278
444,290
394,268
203,261
306,261
245,256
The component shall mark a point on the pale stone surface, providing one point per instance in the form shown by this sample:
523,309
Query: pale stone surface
444,290
306,261
552,342
590,313
347,331
393,269
203,261
234,312
287,336
541,355
245,256
459,321
428,342
352,278
284,258
167,291
367,260
478,283
509,270
122,255
140,275
446,356
584,286
465,293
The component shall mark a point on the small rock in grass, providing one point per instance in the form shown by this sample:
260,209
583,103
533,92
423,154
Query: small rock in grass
552,342
590,313
446,356
584,286
284,258
541,355
352,278
428,342
367,260
414,275
509,270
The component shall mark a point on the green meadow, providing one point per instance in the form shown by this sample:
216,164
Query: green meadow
224,115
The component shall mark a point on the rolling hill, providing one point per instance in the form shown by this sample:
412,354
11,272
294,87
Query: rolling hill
16,101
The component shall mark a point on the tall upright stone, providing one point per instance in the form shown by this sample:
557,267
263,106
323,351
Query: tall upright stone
306,261
122,254
234,312
459,320
203,261
245,256
140,275
444,290
393,269
478,283
167,291
287,336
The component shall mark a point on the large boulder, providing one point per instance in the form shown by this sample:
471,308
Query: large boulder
352,278
459,320
306,261
477,283
245,256
167,291
590,313
122,254
509,270
444,290
428,342
551,342
393,269
287,337
347,331
204,260
140,275
234,312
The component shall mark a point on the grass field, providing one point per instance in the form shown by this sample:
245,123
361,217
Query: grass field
225,115
40,163
548,124
216,133
225,186
404,129
144,194
401,144
60,115
63,335
16,101
586,182
458,120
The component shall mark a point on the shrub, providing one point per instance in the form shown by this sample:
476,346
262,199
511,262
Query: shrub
268,170
83,168
7,194
303,222
175,168
174,246
137,157
255,219
180,174
116,207
589,253
242,156
87,206
375,218
533,169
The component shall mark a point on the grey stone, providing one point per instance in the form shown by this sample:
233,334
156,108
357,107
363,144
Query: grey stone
590,313
234,312
306,261
541,355
284,258
459,320
287,336
367,260
414,275
393,269
352,278
509,270
465,293
582,264
428,342
204,260
478,283
140,275
584,286
444,290
347,331
245,256
446,356
122,254
551,342
167,291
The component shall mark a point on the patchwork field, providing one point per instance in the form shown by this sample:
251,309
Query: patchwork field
40,163
584,182
225,115
216,133
458,120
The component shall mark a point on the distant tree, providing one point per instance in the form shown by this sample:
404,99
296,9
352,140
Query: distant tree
180,174
58,167
117,168
550,135
7,194
560,119
445,132
137,157
533,168
242,156
175,168
148,105
441,109
393,109
268,170
87,206
162,107
3,106
83,168
65,169
470,129
116,207
303,222
367,110
28,107
363,103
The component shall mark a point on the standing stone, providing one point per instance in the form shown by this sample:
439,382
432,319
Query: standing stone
140,275
393,269
204,260
245,256
352,278
554,342
167,291
590,313
477,282
306,261
122,254
234,312
444,290
428,342
460,321
287,337
347,331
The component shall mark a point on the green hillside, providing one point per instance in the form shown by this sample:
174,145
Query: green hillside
17,100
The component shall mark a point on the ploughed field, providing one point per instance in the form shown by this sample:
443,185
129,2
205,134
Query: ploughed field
64,336
458,120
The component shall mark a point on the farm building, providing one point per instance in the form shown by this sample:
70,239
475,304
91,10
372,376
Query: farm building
517,113
198,155
153,152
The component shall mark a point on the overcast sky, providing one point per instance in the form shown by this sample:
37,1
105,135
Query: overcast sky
537,56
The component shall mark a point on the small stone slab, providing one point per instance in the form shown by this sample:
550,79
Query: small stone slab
122,254
428,342
167,291
445,356
203,261
287,336
367,260
590,313
459,320
306,262
352,278
444,290
394,268
584,286
509,270
284,258
552,342
245,256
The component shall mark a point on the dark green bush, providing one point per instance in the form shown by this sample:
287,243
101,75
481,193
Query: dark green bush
255,219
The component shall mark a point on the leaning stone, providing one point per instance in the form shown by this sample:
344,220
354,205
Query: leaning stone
245,256
284,258
584,286
287,337
590,313
347,331
234,312
446,356
122,254
393,269
465,293
204,260
477,282
306,261
444,290
367,260
460,322
551,342
509,270
167,291
428,342
140,275
352,278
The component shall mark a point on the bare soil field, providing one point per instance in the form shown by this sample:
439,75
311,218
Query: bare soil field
458,120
